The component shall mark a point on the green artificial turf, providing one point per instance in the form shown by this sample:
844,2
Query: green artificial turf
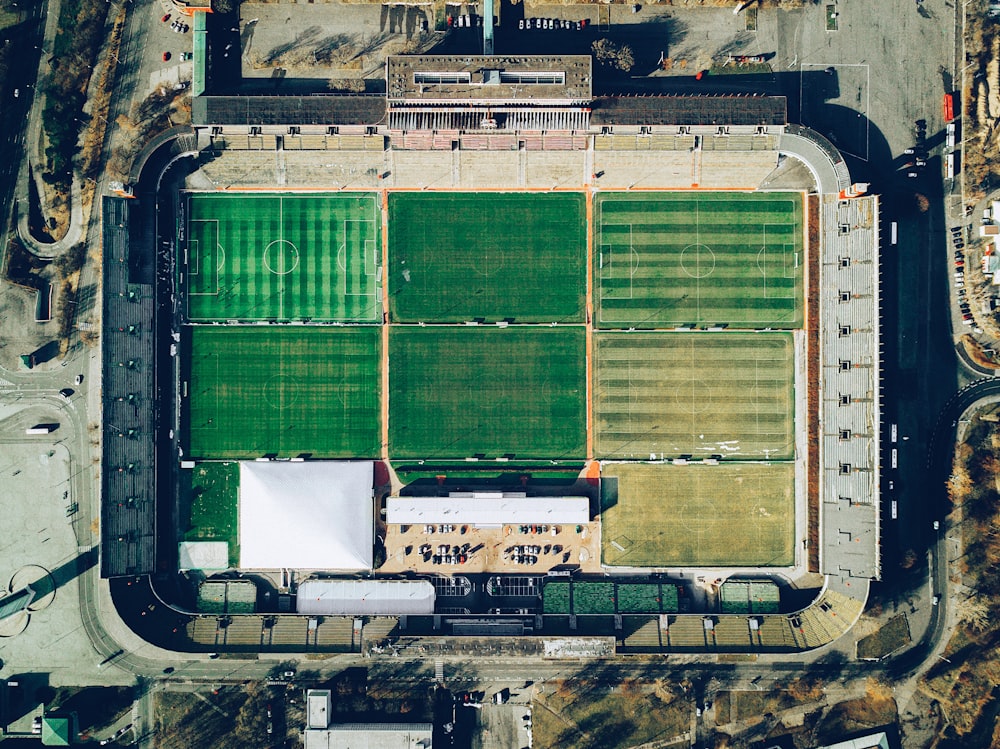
282,257
288,390
457,392
209,494
464,256
673,259
671,394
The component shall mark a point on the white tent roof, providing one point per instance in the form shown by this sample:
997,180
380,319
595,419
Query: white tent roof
487,508
365,597
312,515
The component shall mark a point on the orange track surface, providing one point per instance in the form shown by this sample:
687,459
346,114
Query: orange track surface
385,326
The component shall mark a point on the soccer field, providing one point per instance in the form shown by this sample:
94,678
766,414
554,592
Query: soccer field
729,515
671,259
461,256
701,394
252,391
457,392
282,257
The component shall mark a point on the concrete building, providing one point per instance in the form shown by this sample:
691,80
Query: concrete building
320,734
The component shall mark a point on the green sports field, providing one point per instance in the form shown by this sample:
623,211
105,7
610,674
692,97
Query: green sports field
457,392
285,390
729,515
282,257
670,259
462,256
701,394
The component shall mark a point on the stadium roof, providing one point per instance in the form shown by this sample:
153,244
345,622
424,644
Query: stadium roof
313,109
365,597
315,515
689,110
128,480
371,736
487,509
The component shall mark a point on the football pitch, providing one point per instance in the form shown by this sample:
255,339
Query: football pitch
700,394
458,392
729,515
254,391
282,257
463,256
672,259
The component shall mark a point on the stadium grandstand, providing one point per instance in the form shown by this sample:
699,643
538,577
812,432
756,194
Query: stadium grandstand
128,478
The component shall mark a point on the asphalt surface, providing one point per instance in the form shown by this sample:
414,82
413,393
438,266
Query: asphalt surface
25,40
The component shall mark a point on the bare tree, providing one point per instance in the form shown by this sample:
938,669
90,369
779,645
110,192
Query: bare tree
613,55
974,612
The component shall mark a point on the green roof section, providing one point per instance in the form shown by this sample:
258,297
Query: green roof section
749,597
555,598
200,54
587,597
57,731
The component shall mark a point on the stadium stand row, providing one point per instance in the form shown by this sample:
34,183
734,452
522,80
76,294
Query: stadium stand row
829,617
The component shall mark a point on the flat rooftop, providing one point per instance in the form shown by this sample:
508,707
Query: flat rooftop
690,110
491,509
562,79
312,109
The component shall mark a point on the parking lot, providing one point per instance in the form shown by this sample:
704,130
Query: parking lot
447,549
329,40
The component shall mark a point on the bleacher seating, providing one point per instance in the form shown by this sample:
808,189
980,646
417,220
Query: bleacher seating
732,632
687,632
646,637
380,627
335,632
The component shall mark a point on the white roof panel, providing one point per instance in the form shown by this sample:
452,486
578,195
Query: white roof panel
313,515
365,597
487,509
371,736
203,555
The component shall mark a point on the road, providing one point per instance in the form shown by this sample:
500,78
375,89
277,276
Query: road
26,40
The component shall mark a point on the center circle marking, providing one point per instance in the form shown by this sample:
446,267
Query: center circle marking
281,257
